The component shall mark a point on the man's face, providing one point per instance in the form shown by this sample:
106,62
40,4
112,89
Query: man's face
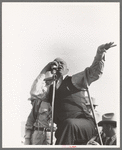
62,66
106,128
89,108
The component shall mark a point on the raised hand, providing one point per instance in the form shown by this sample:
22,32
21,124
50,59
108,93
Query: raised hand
109,45
104,47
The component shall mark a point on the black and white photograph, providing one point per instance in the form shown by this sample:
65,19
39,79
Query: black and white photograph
60,74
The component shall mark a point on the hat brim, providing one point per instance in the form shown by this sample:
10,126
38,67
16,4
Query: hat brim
107,122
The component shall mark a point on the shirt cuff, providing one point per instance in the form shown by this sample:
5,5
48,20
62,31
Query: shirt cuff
100,55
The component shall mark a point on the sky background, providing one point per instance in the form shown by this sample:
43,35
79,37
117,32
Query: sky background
34,34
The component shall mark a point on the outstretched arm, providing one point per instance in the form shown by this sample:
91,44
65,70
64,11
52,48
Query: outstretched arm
90,74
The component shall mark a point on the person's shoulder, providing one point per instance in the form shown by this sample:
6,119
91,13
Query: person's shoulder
66,77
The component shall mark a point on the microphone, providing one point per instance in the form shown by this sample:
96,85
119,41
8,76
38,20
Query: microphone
54,68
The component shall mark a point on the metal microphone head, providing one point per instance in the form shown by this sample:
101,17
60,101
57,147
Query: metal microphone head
54,67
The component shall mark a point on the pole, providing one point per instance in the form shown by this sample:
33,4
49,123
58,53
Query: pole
53,98
92,108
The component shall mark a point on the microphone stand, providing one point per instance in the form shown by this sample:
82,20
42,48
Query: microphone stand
53,98
92,108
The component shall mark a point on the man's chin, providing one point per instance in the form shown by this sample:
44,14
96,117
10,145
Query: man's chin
59,73
62,72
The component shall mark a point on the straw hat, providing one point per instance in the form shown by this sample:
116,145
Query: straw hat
93,101
108,118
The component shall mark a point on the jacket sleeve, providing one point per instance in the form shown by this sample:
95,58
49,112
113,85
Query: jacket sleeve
83,79
40,88
31,119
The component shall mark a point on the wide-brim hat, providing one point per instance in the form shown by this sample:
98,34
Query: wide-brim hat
108,118
93,101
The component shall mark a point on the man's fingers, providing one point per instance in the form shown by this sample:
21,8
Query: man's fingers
109,45
113,45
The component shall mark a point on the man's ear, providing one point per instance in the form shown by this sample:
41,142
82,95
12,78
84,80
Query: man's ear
66,71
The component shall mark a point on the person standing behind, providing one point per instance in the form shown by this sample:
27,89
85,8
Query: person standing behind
88,105
37,128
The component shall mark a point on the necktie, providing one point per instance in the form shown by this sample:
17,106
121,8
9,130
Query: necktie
59,82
